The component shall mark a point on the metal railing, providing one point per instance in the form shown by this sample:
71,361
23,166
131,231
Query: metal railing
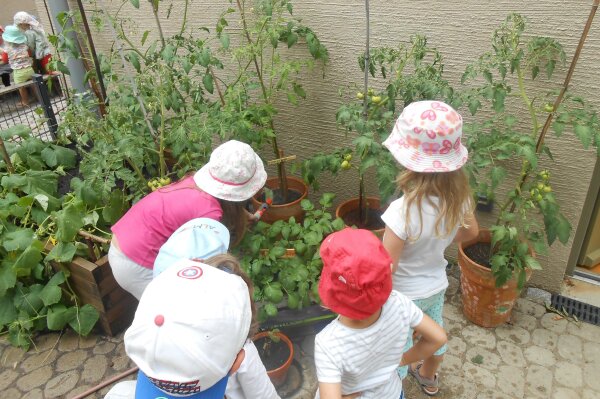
43,114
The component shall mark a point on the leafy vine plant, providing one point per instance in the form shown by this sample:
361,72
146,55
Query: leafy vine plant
529,219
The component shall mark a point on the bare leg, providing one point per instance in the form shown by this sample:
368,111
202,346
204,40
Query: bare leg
430,366
24,96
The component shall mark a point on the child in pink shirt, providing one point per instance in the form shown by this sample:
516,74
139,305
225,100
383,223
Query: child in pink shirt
217,191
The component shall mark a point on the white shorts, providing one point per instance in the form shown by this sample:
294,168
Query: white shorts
131,276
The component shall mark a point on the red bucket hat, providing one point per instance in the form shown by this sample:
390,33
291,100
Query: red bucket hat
356,279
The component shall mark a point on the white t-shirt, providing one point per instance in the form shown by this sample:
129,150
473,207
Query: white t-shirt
365,360
251,380
422,267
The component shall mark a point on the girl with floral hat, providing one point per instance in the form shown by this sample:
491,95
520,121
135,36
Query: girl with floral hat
217,191
436,209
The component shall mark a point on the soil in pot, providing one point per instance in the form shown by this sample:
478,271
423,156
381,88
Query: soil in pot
352,218
293,195
479,253
273,354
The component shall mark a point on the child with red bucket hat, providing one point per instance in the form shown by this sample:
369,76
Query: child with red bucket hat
435,210
358,353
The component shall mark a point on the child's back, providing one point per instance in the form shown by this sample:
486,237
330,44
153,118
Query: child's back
421,269
365,360
359,352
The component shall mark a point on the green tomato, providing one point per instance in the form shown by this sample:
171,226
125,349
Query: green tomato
547,189
293,300
376,99
360,95
540,186
273,294
539,197
548,108
348,157
346,165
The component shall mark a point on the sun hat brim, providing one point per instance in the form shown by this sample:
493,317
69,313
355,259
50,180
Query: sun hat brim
414,159
228,191
14,38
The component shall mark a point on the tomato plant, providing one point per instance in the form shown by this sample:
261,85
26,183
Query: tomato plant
280,278
530,215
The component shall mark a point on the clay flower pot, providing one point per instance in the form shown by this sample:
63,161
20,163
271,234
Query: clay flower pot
483,303
276,368
351,206
282,211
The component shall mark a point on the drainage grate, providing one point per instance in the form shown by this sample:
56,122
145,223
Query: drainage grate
583,311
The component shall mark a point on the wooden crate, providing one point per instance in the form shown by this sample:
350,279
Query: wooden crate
94,284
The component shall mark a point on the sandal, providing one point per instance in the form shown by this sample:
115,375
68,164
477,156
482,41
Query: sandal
429,386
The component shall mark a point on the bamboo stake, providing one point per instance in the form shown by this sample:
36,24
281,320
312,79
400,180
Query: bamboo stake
6,157
106,383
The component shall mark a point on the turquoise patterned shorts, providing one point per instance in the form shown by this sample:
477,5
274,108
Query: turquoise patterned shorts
432,307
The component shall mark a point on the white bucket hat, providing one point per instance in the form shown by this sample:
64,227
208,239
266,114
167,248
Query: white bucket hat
199,238
233,173
427,138
190,324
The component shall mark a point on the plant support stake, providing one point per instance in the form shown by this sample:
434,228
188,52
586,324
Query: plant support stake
362,200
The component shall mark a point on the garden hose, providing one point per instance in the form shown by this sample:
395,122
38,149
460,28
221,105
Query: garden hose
106,383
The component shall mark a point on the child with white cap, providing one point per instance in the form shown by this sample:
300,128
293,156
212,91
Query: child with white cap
358,353
217,191
190,334
204,240
435,210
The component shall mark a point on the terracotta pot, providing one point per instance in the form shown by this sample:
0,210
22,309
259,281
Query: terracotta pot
352,205
483,303
284,211
278,375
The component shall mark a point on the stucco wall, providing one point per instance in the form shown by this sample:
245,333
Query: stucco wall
8,8
461,30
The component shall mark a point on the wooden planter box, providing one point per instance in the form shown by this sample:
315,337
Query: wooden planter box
94,284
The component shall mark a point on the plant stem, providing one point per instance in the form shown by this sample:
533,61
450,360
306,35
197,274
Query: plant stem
185,10
136,169
527,101
157,20
161,138
6,157
282,178
362,200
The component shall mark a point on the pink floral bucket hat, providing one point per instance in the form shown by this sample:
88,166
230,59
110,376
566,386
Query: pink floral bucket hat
233,173
427,138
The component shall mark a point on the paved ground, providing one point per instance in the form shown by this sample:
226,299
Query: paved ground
539,355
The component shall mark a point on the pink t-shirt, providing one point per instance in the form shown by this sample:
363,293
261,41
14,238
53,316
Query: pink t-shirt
151,221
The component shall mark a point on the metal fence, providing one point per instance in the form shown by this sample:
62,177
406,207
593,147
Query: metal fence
42,115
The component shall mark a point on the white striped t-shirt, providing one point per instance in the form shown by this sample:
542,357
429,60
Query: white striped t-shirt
365,360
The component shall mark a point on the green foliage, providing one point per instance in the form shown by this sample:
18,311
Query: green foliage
530,218
38,225
411,72
280,277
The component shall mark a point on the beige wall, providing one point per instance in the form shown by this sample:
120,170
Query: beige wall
8,8
461,30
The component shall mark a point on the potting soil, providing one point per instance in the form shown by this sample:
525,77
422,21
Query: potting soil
479,253
273,354
293,195
374,221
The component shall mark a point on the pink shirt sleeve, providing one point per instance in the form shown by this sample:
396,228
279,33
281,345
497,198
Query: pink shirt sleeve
151,221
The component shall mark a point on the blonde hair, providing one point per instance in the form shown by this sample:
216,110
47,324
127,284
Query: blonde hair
230,264
451,188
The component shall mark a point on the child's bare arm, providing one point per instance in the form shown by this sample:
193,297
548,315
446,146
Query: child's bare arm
394,245
470,232
433,337
334,391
